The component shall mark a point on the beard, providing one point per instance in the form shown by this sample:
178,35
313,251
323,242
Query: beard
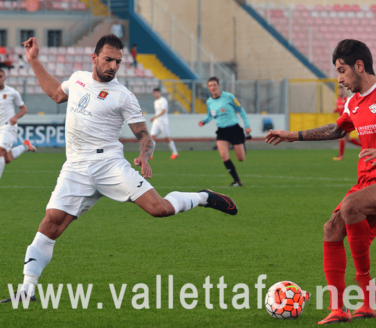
103,77
357,81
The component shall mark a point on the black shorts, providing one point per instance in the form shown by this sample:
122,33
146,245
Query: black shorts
233,134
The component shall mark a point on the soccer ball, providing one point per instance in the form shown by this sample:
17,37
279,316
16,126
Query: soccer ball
285,300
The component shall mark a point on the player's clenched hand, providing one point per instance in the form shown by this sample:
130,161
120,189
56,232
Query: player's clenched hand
248,130
277,136
201,123
368,152
145,167
13,120
32,49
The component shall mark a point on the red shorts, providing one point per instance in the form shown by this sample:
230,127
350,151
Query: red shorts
357,187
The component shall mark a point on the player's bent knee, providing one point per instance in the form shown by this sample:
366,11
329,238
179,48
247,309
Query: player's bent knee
54,223
334,229
349,209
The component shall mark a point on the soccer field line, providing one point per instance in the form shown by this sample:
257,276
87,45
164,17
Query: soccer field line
260,176
219,175
192,187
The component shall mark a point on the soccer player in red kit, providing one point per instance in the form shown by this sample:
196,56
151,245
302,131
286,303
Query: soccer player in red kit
341,101
355,216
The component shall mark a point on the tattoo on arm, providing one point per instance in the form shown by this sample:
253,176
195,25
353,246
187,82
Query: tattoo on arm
141,133
325,132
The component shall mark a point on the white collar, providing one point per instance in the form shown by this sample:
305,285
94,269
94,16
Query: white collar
368,92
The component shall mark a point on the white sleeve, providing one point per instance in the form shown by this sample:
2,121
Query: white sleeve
165,104
131,110
17,99
65,84
65,87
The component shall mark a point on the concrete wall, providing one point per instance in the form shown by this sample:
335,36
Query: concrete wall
258,54
40,23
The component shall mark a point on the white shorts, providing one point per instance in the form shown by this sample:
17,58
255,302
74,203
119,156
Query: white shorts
8,136
160,127
80,185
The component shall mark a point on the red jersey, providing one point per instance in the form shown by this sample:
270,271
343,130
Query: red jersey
340,105
360,115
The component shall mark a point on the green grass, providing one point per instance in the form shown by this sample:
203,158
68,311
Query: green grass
287,197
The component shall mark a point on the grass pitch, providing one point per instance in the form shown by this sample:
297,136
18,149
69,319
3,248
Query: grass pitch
287,197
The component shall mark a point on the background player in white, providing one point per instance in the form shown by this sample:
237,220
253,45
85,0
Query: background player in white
160,122
9,99
98,105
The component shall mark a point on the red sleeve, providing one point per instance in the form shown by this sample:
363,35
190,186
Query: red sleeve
345,122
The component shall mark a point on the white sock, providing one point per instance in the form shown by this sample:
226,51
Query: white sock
172,147
185,201
2,165
17,151
154,143
38,255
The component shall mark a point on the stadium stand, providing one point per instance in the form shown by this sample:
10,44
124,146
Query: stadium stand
48,5
329,24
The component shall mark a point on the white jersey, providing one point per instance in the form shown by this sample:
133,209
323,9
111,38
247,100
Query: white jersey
96,113
159,105
9,98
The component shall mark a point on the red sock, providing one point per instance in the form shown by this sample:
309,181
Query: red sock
355,142
334,268
358,235
341,148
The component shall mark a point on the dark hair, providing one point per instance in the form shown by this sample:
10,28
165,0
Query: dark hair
213,78
352,50
111,40
156,89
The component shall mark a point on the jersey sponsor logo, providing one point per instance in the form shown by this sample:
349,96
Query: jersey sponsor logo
237,103
103,94
81,111
141,182
80,83
223,110
84,101
212,113
4,96
372,108
355,110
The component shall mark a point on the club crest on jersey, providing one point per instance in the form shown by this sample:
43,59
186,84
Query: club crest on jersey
84,101
103,94
372,108
223,110
4,96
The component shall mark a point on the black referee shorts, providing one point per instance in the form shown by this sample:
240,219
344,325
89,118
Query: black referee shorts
233,134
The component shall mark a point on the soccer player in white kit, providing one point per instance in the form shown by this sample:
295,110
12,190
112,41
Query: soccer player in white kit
98,105
9,99
160,122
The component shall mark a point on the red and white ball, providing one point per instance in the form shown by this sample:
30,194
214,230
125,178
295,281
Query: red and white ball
285,300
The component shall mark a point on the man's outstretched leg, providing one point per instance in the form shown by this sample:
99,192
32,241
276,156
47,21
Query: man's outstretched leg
354,209
39,253
8,157
176,202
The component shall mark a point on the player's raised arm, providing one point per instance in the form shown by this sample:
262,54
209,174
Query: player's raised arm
325,132
50,85
146,147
